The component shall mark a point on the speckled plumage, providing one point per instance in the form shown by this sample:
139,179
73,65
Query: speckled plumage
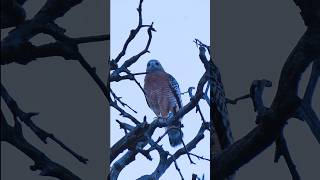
163,95
159,94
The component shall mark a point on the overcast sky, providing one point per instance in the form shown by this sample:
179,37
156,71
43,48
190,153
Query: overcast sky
177,24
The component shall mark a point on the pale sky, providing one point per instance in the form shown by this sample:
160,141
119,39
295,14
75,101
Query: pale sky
177,23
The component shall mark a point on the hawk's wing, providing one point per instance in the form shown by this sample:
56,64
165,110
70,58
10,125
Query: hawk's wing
175,89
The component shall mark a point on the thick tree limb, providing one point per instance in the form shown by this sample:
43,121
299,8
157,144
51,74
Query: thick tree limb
47,14
284,105
16,47
12,13
129,141
26,118
14,136
119,165
305,111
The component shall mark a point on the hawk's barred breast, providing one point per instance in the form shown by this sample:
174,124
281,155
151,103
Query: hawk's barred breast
159,93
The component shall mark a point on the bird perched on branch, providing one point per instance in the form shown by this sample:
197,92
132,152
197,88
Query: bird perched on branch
163,97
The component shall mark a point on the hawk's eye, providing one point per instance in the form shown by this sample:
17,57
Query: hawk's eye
157,63
148,64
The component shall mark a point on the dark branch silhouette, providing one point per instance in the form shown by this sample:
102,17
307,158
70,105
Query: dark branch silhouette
26,119
17,48
286,103
14,136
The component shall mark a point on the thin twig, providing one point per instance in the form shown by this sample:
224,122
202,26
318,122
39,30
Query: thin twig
199,157
26,119
178,169
121,102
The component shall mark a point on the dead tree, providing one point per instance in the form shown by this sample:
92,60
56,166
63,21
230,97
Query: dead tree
17,48
138,136
286,103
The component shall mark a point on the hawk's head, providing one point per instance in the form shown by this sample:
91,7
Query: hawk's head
154,65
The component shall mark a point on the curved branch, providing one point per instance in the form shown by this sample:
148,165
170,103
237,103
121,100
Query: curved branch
26,119
124,67
52,10
132,35
14,136
165,162
284,105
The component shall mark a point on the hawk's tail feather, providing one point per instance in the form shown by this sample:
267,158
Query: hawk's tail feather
175,137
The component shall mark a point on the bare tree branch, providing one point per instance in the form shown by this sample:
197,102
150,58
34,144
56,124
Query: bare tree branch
138,136
12,13
282,149
13,135
27,52
235,101
166,162
26,118
52,10
16,47
129,141
123,113
305,111
124,67
285,104
132,35
178,169
121,102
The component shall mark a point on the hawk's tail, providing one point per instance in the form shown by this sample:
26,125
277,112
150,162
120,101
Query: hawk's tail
175,137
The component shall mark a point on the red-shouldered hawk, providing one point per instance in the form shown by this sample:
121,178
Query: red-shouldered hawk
163,96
